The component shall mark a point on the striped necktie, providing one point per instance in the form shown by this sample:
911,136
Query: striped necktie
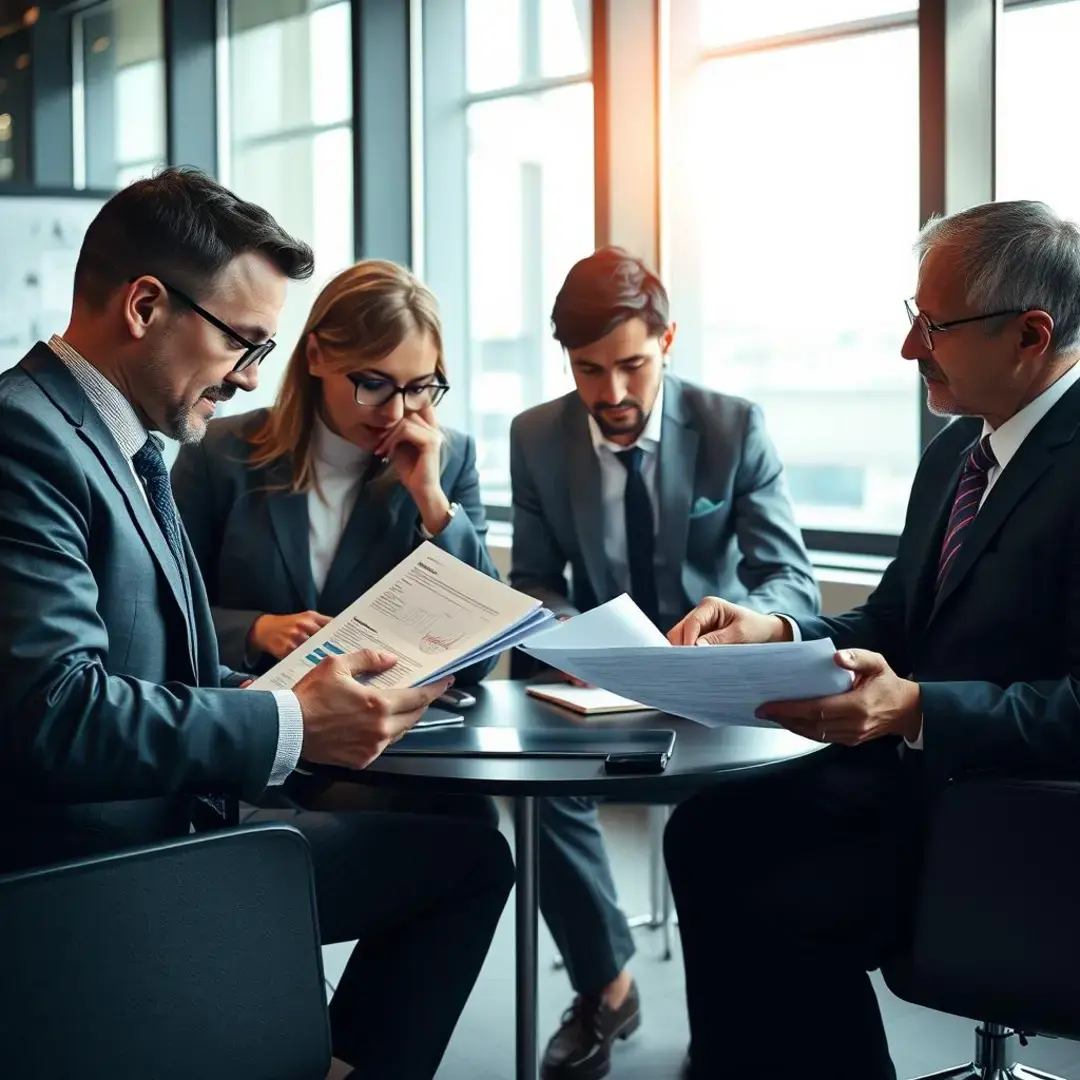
969,493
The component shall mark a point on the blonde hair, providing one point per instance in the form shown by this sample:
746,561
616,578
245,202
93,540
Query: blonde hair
359,318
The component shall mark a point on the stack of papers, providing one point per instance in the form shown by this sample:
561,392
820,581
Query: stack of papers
436,614
615,647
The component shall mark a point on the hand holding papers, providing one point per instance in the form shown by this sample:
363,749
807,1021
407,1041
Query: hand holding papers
615,647
434,613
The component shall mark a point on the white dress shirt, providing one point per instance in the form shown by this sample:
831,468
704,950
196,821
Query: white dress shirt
127,429
339,469
613,506
1005,441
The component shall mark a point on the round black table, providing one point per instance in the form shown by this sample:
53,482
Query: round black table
702,756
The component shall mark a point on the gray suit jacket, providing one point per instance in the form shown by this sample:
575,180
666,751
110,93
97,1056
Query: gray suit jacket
252,541
725,516
111,707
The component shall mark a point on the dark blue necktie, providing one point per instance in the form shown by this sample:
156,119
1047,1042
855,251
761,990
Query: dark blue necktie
150,468
640,535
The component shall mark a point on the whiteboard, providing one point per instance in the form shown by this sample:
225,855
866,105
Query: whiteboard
40,237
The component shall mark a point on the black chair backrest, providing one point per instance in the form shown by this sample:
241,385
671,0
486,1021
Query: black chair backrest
194,958
997,929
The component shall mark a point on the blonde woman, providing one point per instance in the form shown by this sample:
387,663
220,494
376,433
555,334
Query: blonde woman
296,510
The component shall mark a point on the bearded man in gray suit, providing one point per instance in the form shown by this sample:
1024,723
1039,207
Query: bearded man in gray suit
643,483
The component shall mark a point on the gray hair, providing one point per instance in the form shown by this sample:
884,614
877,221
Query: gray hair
1015,256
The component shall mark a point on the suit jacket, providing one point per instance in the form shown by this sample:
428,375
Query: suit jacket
997,649
725,516
111,707
252,541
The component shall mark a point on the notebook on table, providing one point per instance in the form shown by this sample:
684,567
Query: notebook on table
586,700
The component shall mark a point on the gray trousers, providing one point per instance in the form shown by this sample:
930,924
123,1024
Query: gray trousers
577,894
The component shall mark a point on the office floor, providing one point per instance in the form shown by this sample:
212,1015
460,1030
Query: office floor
482,1048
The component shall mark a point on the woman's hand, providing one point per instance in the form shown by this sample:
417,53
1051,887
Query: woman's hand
414,448
278,635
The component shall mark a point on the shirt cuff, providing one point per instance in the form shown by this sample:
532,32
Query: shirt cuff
917,742
290,737
796,633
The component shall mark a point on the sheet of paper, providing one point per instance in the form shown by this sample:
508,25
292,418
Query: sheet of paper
619,623
713,685
432,611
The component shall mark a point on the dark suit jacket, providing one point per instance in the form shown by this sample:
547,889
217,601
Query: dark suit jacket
111,711
252,541
997,649
725,517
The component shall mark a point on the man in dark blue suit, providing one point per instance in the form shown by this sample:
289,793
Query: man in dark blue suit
965,657
118,725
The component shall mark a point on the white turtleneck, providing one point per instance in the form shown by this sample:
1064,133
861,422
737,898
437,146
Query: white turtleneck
339,468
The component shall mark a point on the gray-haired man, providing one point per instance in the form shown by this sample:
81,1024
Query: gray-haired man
813,885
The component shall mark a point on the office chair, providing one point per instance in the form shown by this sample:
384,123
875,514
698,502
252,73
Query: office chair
997,929
197,957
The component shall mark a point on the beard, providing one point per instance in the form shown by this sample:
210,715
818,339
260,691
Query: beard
179,419
938,399
633,425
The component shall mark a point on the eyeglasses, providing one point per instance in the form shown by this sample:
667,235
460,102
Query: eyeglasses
927,329
375,392
255,351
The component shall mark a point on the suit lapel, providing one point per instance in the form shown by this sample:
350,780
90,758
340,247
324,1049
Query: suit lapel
678,458
585,499
288,512
1035,456
63,389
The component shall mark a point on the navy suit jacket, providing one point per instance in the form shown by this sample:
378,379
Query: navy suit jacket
252,540
726,523
997,648
111,708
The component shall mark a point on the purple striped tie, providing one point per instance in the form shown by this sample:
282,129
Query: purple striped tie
965,506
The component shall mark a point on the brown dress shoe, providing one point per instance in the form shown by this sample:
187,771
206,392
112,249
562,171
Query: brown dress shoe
581,1048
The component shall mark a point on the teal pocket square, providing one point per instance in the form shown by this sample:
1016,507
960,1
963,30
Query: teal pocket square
703,506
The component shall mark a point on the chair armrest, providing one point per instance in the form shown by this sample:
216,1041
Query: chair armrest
997,923
195,957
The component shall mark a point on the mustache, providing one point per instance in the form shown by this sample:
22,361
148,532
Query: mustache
221,392
928,369
626,403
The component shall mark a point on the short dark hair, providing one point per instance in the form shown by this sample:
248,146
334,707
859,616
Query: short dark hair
184,227
603,291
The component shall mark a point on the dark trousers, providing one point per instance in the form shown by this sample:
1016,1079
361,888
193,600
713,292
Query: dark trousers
421,894
789,890
577,894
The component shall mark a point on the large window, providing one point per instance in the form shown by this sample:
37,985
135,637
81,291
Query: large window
1036,106
119,101
290,141
796,185
517,121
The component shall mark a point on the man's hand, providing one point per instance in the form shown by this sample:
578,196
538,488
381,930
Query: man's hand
278,635
413,447
878,703
717,622
350,725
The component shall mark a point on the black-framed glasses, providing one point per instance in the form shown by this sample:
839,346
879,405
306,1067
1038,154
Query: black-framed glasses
374,392
255,351
927,329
